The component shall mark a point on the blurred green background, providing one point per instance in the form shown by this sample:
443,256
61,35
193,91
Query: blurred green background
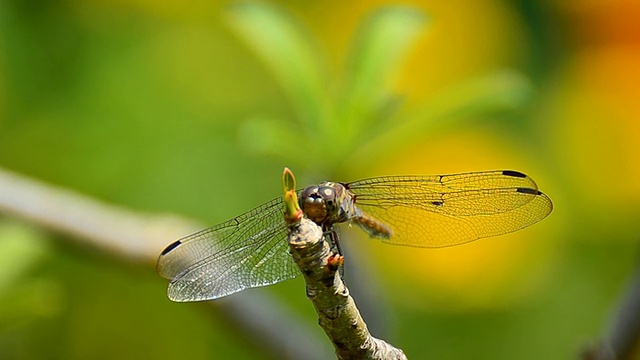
195,107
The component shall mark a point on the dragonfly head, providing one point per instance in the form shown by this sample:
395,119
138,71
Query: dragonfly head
321,202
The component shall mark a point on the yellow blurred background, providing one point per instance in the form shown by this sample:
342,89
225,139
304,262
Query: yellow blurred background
194,108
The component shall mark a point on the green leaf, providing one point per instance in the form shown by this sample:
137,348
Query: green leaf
494,93
381,45
290,53
489,95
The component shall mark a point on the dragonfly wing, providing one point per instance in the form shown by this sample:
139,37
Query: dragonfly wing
446,210
248,251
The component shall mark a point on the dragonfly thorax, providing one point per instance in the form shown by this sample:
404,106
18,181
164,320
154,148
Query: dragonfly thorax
325,203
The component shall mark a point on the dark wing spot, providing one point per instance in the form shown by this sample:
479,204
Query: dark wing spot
529,191
171,246
437,203
513,173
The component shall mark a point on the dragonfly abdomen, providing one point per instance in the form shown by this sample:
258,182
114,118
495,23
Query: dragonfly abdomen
372,226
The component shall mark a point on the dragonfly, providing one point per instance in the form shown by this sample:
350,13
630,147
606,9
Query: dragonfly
432,211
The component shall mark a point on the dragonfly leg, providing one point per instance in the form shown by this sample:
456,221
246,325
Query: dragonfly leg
334,242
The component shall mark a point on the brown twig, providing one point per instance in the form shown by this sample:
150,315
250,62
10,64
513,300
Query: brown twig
621,341
111,228
338,315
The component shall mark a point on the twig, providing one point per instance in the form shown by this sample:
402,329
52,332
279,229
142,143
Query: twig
141,237
111,228
337,312
622,339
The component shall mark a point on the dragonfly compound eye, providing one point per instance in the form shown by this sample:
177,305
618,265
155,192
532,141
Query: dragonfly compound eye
313,204
330,198
308,191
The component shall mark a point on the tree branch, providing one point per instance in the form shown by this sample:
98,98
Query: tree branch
338,315
621,341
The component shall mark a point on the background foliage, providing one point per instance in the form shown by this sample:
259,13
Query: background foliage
194,108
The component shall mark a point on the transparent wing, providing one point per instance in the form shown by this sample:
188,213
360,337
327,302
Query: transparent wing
447,210
248,251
